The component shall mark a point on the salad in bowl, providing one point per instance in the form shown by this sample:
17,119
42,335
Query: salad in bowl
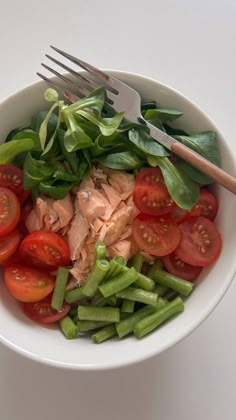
106,235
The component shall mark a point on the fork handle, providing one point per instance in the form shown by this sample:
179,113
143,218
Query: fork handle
208,168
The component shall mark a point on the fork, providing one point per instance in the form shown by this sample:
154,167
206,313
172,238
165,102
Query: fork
125,99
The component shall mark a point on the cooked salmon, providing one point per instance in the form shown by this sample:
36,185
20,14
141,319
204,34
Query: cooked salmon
77,234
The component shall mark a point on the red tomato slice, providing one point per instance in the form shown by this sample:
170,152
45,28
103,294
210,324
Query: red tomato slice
27,284
207,206
200,242
13,259
156,235
150,193
8,245
12,177
9,211
178,214
181,269
42,312
45,249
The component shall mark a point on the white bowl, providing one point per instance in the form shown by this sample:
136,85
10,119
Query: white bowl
47,345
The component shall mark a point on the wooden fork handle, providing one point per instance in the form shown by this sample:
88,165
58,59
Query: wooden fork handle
208,168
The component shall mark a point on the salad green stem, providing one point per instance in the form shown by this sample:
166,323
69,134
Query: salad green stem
138,295
181,286
119,282
151,322
60,288
100,269
75,295
127,306
105,334
93,313
69,328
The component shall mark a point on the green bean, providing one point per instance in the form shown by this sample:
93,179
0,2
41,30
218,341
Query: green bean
85,326
75,295
119,282
116,265
158,265
126,325
170,295
138,295
127,306
104,334
160,290
181,286
93,313
69,328
151,322
137,262
60,288
100,269
102,301
142,281
72,312
100,250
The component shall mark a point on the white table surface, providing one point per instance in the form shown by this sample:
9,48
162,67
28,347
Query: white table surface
190,45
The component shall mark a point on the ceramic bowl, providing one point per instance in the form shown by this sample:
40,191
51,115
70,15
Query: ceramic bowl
48,345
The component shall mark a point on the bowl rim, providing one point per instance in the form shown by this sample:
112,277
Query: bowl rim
149,352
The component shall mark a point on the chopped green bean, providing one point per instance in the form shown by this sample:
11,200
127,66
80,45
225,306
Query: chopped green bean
170,295
100,251
85,326
75,295
104,334
94,313
137,262
102,301
181,286
119,282
100,269
142,281
126,325
138,295
60,288
158,265
160,290
128,306
116,265
69,328
151,322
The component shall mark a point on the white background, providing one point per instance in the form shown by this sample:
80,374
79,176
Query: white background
189,45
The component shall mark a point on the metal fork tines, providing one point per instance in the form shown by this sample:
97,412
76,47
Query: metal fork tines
81,85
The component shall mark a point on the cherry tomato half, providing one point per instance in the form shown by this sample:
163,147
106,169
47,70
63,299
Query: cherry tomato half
12,177
42,312
27,284
45,249
150,193
9,211
207,206
179,268
8,245
156,235
200,242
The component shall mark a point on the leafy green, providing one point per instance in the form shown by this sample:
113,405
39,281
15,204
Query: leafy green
145,143
205,144
162,115
172,131
62,174
39,117
36,171
55,189
70,157
84,164
75,137
9,150
44,127
123,161
183,190
148,105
